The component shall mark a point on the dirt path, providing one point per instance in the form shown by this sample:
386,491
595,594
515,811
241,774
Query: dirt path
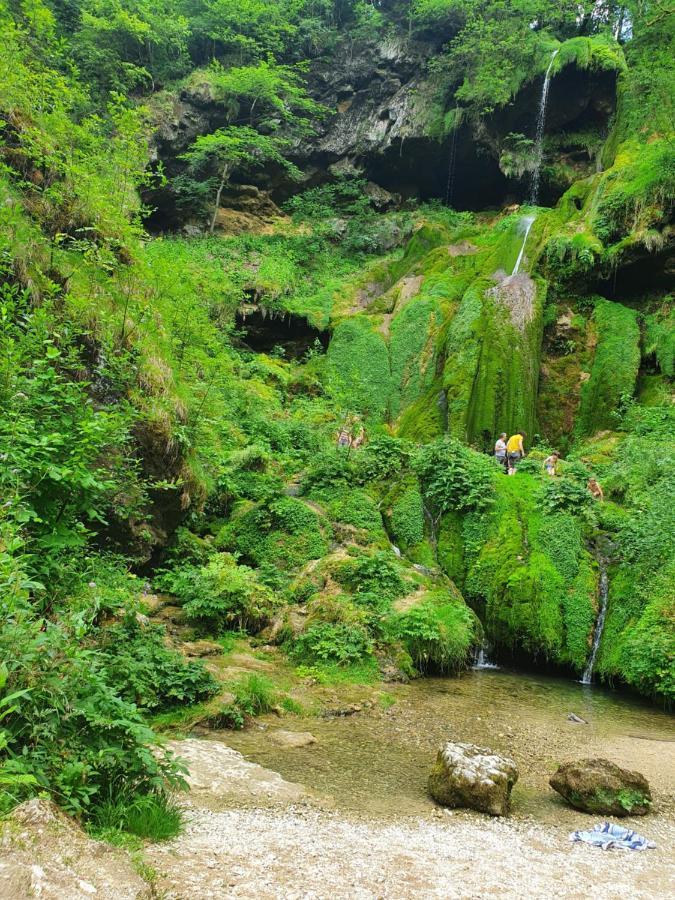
280,842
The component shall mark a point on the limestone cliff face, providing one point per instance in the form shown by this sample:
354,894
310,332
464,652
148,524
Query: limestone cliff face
381,99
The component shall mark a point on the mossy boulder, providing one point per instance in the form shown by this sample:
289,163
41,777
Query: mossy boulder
468,776
601,787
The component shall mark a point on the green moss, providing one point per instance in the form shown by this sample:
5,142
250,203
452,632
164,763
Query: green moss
659,339
277,537
407,517
358,368
504,391
450,548
599,52
615,367
412,351
534,575
438,633
356,508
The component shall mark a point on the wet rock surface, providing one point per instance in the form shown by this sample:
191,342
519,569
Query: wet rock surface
600,786
465,775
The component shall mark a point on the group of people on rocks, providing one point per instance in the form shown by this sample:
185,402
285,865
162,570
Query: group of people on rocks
508,453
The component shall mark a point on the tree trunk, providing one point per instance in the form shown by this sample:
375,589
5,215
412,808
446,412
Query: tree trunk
223,182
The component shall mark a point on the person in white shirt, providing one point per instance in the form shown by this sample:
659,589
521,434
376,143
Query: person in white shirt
500,449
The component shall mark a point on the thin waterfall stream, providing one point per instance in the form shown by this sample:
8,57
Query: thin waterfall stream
527,222
587,677
539,133
538,159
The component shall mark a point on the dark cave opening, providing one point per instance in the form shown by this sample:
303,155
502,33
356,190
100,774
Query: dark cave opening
263,331
646,275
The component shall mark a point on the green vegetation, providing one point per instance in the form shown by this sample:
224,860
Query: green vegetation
169,402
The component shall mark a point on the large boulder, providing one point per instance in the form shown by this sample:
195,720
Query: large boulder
470,776
599,786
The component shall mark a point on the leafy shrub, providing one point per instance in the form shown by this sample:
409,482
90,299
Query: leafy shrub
565,494
374,574
146,672
384,457
332,643
85,743
222,595
328,470
356,508
407,517
454,477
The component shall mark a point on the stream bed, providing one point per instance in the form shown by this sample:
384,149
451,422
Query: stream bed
375,761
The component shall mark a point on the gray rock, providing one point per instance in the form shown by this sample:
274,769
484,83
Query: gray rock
293,739
599,786
465,775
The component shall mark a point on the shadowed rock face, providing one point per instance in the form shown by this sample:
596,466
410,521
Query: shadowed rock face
468,776
378,128
600,786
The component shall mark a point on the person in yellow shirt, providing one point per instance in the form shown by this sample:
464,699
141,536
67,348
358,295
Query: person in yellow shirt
515,450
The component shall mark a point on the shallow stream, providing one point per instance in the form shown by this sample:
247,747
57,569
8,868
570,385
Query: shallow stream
376,760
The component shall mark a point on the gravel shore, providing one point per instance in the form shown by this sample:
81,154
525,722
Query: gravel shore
305,853
250,834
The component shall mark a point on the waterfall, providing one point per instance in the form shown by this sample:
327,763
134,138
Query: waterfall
527,222
539,134
397,550
450,188
587,677
481,659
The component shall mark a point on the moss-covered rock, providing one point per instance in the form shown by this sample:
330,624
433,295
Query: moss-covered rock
600,787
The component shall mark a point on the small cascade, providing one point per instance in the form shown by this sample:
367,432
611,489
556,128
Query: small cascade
450,188
587,677
397,550
527,222
539,134
432,526
481,659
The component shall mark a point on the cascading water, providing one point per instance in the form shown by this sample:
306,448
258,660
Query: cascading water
527,222
539,134
481,660
587,677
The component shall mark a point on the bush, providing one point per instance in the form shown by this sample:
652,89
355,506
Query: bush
329,469
68,728
565,494
454,477
374,574
332,643
146,672
222,595
384,457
